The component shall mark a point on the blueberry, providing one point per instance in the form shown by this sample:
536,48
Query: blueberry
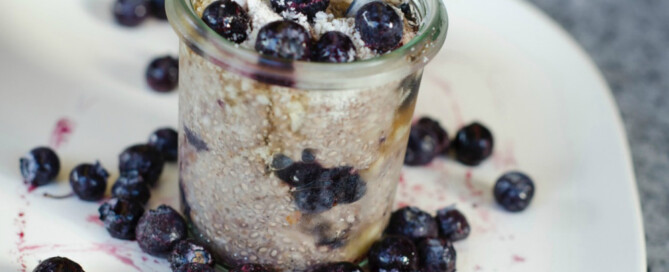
162,74
89,181
195,267
228,19
309,155
473,144
334,46
131,12
166,140
284,39
380,27
251,268
442,136
436,255
299,173
144,159
348,186
337,267
393,254
189,251
413,223
452,224
120,217
40,166
158,9
306,7
58,264
131,186
159,230
317,196
423,146
514,191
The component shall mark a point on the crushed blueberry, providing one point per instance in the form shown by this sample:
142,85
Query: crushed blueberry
195,267
284,39
473,144
248,267
442,136
337,267
159,230
334,46
131,12
144,159
300,173
514,191
436,255
306,7
379,25
165,140
89,181
120,217
58,264
347,184
393,254
228,19
316,196
195,140
162,74
413,223
131,186
40,166
452,224
158,9
422,147
189,251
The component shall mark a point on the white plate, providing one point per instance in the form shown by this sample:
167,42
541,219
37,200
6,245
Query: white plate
504,64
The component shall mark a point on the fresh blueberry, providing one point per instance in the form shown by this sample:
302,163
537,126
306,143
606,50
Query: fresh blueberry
379,25
317,196
58,264
159,230
284,39
131,12
162,74
348,186
228,19
473,144
40,166
452,224
120,217
413,223
393,254
158,9
131,186
306,7
514,191
89,181
189,251
442,136
195,267
423,146
300,173
334,46
251,268
166,140
144,159
436,255
337,267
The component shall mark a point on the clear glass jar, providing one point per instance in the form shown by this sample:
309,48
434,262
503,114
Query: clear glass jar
288,163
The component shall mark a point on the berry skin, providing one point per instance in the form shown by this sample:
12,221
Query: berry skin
348,186
452,224
58,264
131,186
436,255
162,74
89,181
131,12
306,7
514,191
422,147
284,39
144,159
159,230
165,140
317,196
158,9
299,173
412,223
337,267
251,268
442,136
189,251
228,19
120,217
40,166
393,254
473,144
334,46
195,267
379,25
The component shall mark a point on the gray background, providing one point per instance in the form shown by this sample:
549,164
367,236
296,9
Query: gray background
629,41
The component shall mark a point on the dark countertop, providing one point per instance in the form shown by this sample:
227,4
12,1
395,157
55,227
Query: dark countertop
629,41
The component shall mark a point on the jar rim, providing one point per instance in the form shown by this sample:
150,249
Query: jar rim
397,64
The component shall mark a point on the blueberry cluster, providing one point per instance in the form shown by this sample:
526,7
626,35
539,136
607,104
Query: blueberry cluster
131,13
316,188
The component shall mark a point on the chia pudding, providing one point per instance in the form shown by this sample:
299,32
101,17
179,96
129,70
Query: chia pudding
290,163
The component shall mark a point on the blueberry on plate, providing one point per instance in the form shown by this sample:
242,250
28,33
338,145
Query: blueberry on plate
379,25
249,267
284,39
473,144
442,136
306,7
162,74
131,12
159,230
189,251
165,140
144,159
131,186
195,267
393,254
514,191
436,255
452,224
89,181
228,19
40,166
423,146
157,8
334,46
58,264
413,223
120,217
